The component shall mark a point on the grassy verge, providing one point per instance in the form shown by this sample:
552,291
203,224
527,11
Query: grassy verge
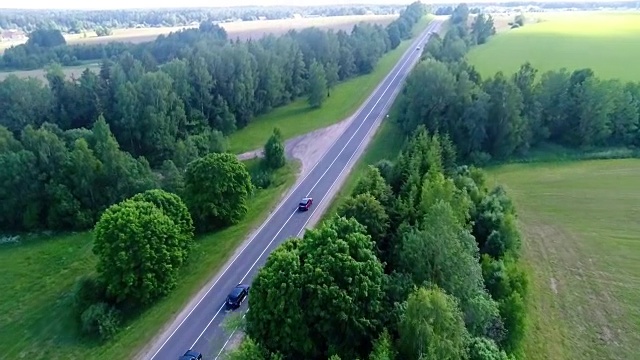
582,247
298,118
38,273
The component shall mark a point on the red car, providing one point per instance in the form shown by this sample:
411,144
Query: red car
305,204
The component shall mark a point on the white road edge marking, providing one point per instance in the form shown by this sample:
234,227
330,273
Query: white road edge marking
401,66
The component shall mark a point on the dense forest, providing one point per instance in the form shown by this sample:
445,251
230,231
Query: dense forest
77,21
73,147
420,262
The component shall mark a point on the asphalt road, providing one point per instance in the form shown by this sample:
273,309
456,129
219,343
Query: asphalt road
201,329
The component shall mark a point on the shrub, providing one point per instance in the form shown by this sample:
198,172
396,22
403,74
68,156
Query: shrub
261,178
100,320
87,291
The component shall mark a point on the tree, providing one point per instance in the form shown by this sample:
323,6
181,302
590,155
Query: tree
506,127
172,178
103,31
328,287
485,349
383,348
217,190
46,38
428,92
140,250
519,19
317,84
514,314
483,28
443,253
432,327
368,211
274,150
495,228
172,206
343,287
276,295
372,182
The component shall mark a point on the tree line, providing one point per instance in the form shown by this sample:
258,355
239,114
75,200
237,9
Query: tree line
36,53
419,262
158,117
503,116
78,21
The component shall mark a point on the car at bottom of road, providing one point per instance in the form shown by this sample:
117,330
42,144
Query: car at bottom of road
191,355
305,204
237,296
418,48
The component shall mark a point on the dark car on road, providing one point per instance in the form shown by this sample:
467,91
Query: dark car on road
237,296
305,204
191,355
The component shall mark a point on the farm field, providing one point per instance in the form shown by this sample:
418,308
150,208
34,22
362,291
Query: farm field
242,30
38,274
582,247
603,41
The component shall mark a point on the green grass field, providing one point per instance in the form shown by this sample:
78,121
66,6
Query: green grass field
608,43
38,274
582,248
298,118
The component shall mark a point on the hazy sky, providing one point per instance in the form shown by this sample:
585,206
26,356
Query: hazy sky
121,4
124,4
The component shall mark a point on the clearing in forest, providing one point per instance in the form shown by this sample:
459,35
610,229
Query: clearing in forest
582,246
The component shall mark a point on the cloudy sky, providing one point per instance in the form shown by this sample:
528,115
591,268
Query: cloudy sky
127,4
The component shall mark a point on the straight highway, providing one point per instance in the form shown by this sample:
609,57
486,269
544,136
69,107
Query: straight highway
200,328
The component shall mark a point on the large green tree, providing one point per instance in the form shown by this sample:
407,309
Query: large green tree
368,211
317,84
172,206
431,327
140,250
217,190
274,150
329,288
